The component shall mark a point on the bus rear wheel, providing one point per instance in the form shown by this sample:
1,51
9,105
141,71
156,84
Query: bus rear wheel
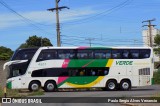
125,85
111,85
50,86
34,86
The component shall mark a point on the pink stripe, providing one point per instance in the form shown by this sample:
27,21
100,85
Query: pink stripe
61,79
82,47
65,63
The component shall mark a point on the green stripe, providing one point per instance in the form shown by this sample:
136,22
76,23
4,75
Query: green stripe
88,63
79,80
9,85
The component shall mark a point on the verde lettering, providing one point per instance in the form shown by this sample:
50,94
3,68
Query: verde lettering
124,62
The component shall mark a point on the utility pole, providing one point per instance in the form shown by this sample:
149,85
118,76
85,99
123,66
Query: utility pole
90,41
57,20
150,26
41,41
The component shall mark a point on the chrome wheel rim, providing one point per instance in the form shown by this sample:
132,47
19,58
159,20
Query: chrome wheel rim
111,85
125,85
35,87
50,86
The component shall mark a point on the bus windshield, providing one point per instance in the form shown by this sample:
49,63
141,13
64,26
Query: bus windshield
20,68
24,54
15,70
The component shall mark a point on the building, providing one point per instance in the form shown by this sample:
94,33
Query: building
146,39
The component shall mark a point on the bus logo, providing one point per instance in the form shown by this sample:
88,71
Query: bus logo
124,62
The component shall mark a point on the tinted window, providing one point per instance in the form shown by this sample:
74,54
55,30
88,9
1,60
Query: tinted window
102,54
145,53
18,69
24,54
57,72
66,54
116,54
134,54
126,54
84,54
38,73
47,55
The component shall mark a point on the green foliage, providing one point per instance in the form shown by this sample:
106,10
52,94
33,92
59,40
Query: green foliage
35,41
5,53
157,40
157,44
156,76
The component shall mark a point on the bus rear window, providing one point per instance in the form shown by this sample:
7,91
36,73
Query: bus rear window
145,53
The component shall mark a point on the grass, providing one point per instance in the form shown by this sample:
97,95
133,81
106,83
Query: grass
1,92
17,93
156,95
36,93
156,76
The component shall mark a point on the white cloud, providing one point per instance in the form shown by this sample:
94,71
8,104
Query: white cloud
8,20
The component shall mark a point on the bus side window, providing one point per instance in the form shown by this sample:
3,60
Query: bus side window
125,54
93,73
66,54
134,54
116,54
105,72
37,73
102,54
47,55
145,53
108,54
84,54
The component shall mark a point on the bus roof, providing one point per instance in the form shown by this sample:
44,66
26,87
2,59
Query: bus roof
99,47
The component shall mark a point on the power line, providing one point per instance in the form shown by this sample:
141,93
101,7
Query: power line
26,20
104,39
99,14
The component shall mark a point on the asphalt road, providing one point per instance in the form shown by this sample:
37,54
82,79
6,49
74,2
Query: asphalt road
140,91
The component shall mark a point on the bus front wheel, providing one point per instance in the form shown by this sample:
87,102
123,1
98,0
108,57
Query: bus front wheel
50,86
111,85
34,86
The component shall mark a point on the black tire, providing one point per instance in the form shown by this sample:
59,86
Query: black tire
125,85
34,86
111,85
50,86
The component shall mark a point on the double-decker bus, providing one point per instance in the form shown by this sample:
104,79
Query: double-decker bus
51,68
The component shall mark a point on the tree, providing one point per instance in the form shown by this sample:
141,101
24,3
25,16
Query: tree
5,53
157,44
35,41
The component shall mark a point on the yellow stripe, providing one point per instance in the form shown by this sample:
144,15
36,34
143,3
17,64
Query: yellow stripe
109,64
86,85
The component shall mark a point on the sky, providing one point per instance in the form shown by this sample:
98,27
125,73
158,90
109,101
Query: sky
105,22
